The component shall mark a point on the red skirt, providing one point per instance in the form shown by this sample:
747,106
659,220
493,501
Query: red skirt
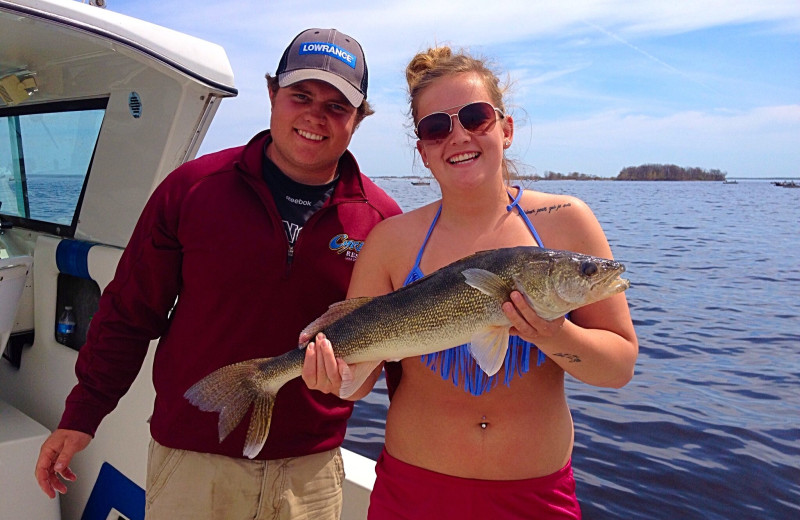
403,491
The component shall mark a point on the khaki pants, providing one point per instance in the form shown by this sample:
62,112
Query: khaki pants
198,486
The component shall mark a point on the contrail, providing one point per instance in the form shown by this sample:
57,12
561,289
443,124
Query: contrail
648,55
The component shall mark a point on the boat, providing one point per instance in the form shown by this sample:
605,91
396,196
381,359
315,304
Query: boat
786,184
127,101
421,181
726,181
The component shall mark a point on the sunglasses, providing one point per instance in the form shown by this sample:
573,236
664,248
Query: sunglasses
476,118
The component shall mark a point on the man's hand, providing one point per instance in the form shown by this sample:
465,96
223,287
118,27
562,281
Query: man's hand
54,458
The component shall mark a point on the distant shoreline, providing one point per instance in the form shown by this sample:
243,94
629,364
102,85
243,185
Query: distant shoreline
644,172
541,179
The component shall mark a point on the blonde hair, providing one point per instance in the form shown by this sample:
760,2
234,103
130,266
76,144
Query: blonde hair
427,67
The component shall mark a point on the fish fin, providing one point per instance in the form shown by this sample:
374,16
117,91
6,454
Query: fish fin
334,312
487,282
358,373
259,425
231,415
230,391
488,346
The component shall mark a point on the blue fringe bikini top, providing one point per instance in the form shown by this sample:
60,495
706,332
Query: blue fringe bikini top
457,364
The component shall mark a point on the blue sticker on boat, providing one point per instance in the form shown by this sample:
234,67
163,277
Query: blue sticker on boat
113,490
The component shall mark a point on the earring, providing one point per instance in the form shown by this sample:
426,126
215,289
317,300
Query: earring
507,143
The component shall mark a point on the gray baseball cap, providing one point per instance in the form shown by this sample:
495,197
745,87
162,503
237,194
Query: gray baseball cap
326,55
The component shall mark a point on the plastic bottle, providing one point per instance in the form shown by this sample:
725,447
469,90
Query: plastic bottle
66,326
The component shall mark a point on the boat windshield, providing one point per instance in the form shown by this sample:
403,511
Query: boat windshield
46,153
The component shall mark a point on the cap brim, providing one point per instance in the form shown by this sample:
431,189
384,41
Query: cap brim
354,97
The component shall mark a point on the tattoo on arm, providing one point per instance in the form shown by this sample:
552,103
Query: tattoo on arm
547,209
572,358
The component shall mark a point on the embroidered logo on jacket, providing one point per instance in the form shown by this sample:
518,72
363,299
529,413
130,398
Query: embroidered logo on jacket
343,244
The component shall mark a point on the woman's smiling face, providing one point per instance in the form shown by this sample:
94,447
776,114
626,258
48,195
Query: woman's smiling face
461,153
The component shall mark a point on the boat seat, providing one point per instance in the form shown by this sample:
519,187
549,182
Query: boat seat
20,440
13,274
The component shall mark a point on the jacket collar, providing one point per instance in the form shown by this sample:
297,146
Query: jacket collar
349,187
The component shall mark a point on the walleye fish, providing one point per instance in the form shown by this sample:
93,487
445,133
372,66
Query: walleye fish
458,304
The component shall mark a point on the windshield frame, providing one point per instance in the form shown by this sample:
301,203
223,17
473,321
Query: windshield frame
78,105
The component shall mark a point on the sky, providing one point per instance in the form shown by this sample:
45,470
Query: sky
595,85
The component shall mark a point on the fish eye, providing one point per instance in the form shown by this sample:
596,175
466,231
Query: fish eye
588,268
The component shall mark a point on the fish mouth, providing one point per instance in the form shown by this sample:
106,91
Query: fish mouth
620,285
612,280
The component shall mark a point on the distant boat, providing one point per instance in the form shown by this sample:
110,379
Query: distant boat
787,184
419,181
726,181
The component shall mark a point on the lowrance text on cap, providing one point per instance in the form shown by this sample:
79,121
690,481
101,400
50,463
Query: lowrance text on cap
326,55
329,50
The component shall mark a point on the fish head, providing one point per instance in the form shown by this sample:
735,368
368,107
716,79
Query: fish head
556,282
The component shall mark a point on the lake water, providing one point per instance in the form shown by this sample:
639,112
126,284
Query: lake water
709,428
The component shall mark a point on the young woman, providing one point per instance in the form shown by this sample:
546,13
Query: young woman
459,445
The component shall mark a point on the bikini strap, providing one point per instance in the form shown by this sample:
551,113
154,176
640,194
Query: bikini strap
416,272
515,204
428,236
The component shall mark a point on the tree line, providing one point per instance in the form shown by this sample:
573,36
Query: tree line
645,172
668,172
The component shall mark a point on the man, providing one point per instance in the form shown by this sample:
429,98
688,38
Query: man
247,239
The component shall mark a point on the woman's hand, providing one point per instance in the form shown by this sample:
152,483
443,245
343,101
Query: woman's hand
526,323
598,346
322,370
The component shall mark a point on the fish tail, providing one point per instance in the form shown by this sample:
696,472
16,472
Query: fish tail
230,391
259,425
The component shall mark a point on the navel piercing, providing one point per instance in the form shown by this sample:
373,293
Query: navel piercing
483,422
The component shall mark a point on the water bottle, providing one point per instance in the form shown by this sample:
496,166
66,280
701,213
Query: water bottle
66,326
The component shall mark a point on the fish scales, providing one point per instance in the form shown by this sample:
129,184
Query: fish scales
421,312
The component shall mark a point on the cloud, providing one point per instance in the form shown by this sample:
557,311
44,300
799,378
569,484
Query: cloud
597,84
399,26
754,142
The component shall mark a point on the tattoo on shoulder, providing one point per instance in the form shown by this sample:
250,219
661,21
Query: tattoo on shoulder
548,209
572,358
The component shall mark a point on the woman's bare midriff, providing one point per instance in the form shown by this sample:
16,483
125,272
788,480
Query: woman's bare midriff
517,432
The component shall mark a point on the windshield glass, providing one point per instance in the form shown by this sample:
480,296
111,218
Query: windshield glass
45,155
